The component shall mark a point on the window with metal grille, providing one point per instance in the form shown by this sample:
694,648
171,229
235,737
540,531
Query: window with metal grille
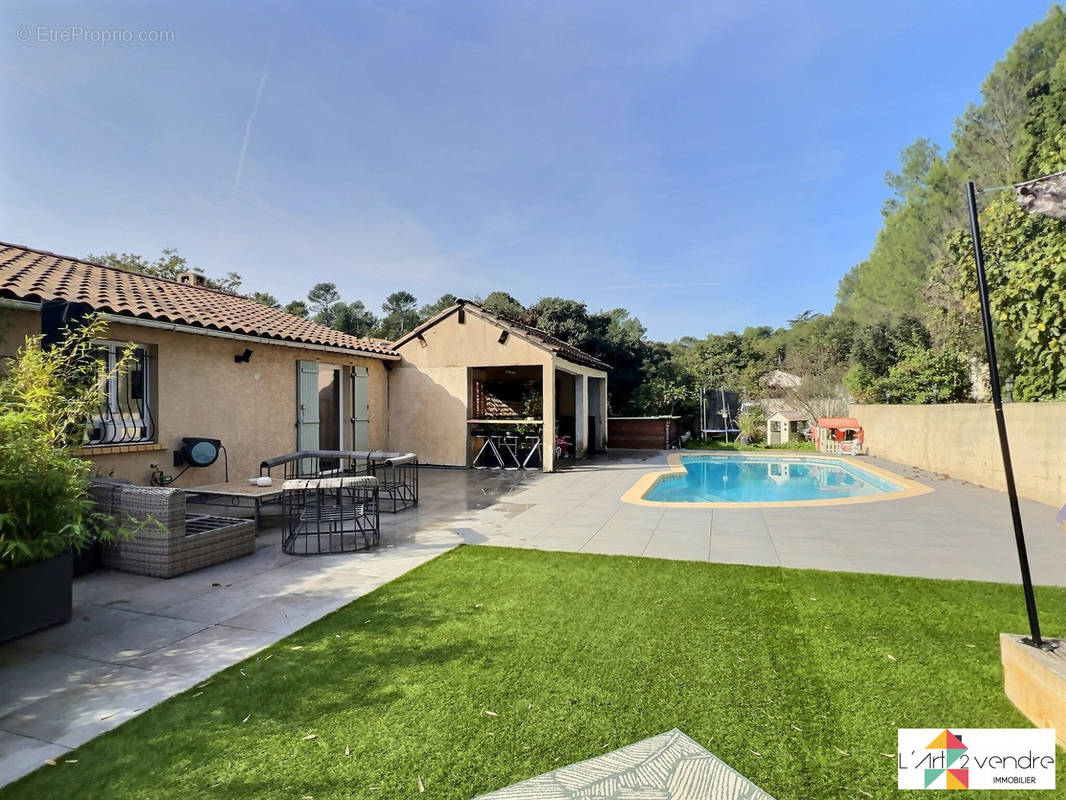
125,415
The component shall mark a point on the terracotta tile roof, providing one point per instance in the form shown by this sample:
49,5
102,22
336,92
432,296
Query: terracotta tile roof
37,275
838,422
528,332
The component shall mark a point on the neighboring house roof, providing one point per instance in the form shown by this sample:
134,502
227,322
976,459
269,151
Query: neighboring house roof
838,422
792,416
534,335
779,379
38,276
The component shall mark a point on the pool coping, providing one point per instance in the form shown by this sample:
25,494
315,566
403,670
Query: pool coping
635,494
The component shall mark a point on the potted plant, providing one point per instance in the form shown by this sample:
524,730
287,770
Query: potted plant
46,397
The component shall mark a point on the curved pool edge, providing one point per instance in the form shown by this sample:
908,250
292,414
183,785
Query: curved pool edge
635,494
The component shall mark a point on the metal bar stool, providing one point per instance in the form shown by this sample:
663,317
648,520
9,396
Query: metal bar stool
509,444
490,448
534,443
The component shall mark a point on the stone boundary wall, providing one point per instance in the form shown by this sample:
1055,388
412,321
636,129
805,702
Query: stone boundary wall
960,440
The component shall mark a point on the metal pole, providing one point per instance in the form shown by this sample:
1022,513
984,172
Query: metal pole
725,415
1001,425
703,413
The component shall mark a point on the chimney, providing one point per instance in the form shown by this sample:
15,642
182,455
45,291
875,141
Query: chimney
192,278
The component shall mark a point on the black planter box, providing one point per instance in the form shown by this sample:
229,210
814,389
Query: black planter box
87,559
36,596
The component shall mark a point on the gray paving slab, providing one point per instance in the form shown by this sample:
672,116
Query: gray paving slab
566,544
22,754
205,653
678,549
615,547
623,534
823,561
133,638
759,558
93,699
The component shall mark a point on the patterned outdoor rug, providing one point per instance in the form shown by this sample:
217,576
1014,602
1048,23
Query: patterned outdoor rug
669,766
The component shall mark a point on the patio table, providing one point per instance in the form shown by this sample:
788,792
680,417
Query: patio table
236,495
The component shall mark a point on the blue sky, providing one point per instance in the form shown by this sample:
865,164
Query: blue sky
708,166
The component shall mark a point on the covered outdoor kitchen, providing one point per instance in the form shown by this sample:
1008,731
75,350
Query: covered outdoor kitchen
475,389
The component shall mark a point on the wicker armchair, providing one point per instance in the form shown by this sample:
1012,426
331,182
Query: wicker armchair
166,541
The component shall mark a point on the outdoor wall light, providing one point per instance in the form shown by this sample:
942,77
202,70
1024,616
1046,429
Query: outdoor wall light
244,357
422,340
503,338
1008,387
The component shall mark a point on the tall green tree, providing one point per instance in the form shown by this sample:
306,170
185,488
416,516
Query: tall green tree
925,207
565,319
170,264
993,144
400,315
265,299
990,138
322,301
1025,254
354,318
430,310
505,305
298,308
618,338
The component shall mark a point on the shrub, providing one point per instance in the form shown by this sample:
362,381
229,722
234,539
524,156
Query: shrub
752,425
46,398
861,382
926,376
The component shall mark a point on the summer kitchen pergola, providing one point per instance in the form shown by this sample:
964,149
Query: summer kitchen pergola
480,371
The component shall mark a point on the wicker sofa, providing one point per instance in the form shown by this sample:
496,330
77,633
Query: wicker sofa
165,540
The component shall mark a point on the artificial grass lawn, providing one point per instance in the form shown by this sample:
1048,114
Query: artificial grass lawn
487,666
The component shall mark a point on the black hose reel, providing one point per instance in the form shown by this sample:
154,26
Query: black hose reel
200,451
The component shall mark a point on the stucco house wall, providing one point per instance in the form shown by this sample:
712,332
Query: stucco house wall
200,391
15,326
429,391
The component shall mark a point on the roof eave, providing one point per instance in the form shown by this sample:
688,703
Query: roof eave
429,323
8,299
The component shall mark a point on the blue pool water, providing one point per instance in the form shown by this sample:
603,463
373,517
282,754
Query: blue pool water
762,479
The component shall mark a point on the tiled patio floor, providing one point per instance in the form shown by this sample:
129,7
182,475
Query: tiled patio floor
135,641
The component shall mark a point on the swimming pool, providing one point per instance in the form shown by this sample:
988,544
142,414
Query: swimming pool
766,479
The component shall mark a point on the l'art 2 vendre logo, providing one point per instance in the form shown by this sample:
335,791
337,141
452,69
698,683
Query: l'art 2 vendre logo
976,758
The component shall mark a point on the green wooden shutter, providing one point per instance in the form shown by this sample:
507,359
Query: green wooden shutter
307,420
360,408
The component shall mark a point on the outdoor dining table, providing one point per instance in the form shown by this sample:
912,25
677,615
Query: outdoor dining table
236,495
